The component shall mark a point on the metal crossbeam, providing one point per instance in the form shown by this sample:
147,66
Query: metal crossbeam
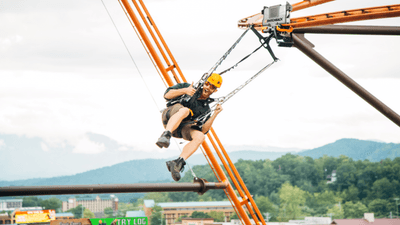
199,187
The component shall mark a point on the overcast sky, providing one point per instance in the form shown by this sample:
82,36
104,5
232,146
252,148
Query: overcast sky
65,72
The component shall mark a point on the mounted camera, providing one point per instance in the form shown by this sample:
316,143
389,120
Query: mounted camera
276,15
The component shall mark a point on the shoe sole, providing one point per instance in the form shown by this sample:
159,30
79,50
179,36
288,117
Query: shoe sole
168,166
162,144
159,145
169,169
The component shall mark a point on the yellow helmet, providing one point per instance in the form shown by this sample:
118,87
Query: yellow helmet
215,79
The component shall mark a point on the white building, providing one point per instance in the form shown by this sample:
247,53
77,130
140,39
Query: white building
10,204
96,204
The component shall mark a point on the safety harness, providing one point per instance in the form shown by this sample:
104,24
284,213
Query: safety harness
187,100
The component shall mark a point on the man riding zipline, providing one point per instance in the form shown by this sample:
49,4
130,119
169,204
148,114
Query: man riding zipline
178,119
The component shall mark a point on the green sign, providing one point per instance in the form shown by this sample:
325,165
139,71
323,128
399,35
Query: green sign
120,221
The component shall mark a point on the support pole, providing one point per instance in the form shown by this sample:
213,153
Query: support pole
199,187
342,77
147,41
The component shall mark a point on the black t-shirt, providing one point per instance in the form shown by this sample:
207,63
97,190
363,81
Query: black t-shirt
199,107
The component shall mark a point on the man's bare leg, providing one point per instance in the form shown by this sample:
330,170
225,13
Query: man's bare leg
172,124
177,165
177,118
190,148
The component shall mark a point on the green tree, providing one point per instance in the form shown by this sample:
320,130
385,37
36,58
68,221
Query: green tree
157,196
354,210
180,218
292,201
320,202
301,170
156,216
234,216
381,208
88,214
383,189
336,211
265,205
77,211
345,173
352,194
52,203
123,208
31,201
218,216
197,214
109,212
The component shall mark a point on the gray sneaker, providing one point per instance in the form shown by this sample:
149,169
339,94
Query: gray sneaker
175,167
163,140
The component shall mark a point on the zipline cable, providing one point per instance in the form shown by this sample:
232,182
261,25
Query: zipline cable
130,55
144,81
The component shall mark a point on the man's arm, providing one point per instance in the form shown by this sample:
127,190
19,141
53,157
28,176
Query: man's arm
173,93
207,125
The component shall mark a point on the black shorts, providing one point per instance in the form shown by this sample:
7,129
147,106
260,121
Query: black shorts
184,129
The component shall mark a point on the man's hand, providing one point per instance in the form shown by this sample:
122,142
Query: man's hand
190,90
218,109
210,121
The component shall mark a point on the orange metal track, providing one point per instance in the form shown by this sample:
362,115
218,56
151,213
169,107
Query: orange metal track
256,19
308,3
168,68
326,18
346,16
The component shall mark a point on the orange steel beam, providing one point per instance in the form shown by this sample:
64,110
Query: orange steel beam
308,3
147,41
239,184
328,18
175,64
256,19
223,177
166,55
346,16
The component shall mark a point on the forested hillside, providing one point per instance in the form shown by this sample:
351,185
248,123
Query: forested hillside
295,186
356,149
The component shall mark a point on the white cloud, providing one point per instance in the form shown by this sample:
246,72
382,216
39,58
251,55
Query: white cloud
86,146
2,143
44,147
123,148
66,73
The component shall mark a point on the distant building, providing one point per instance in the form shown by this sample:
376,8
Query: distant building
10,204
139,213
197,221
83,221
369,219
237,222
331,178
6,219
173,210
94,204
64,216
306,221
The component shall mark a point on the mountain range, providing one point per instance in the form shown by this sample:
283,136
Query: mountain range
154,170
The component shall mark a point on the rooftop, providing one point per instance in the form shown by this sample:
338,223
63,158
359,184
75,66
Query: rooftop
64,214
135,214
365,222
150,204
